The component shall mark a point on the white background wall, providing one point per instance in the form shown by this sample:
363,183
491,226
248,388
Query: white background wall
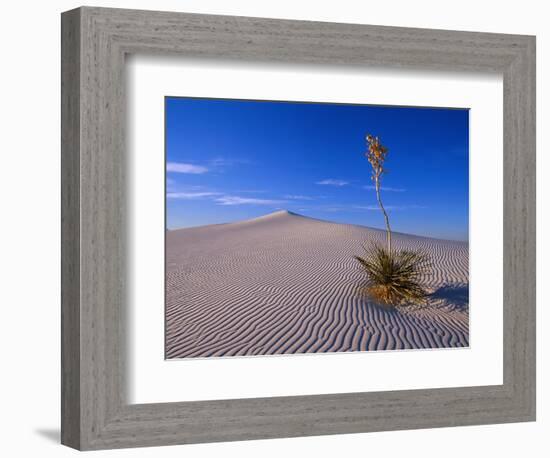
29,230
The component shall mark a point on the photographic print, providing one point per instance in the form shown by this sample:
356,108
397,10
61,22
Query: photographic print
308,227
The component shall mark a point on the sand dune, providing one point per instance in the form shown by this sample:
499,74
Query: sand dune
284,283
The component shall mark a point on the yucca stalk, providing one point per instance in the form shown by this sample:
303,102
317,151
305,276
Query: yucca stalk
376,155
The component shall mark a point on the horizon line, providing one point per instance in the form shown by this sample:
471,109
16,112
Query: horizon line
292,213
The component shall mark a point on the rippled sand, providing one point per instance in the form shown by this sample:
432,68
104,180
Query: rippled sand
285,283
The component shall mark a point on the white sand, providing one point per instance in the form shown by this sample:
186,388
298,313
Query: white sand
284,283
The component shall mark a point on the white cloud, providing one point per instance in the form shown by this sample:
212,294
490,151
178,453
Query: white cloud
388,207
191,195
384,188
226,162
333,182
297,197
235,200
181,167
367,207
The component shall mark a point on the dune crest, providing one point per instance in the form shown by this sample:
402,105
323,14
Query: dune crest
284,283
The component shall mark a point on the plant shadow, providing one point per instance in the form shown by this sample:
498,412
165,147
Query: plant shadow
453,296
450,296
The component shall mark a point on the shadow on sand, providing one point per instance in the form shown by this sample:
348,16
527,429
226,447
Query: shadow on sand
451,296
454,296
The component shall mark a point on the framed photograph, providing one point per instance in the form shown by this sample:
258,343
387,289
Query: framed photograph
267,246
280,228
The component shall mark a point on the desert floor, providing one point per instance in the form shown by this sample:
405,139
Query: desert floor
284,283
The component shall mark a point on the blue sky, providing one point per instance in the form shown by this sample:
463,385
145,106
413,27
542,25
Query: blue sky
230,160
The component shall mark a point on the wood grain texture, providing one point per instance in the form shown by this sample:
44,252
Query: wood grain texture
70,229
96,414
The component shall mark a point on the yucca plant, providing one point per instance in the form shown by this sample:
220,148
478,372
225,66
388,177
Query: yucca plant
394,276
376,155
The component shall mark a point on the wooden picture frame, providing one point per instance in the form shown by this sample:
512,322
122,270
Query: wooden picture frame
95,411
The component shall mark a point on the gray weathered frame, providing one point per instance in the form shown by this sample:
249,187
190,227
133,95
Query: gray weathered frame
95,414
